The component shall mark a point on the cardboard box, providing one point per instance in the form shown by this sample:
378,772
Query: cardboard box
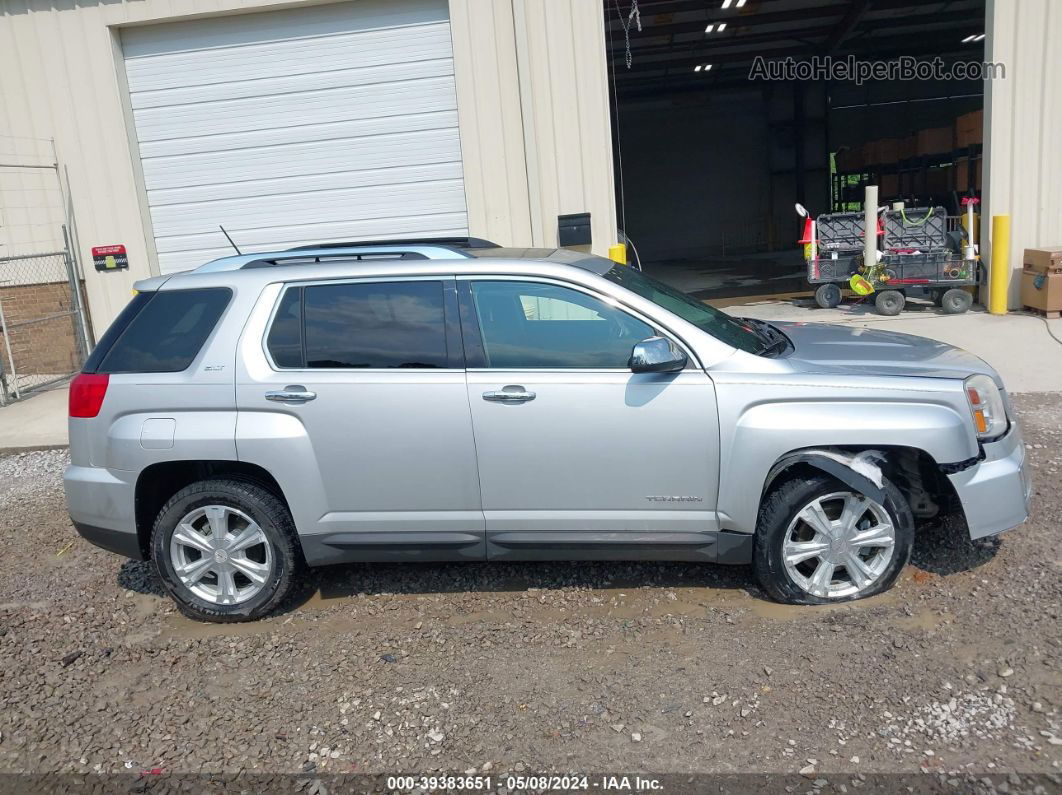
1041,291
883,151
962,174
1043,260
969,129
936,141
888,150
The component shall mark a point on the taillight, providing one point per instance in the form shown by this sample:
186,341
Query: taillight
87,391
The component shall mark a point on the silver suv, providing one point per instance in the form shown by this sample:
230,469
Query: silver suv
452,400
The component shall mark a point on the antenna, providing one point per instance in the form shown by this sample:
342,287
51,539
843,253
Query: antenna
229,239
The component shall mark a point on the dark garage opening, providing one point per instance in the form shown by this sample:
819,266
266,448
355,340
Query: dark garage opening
710,161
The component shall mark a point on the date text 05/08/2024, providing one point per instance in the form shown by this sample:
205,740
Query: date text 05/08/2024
517,783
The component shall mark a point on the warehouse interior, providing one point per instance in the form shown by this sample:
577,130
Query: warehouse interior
709,163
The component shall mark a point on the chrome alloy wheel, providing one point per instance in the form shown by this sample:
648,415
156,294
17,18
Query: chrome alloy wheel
839,545
221,555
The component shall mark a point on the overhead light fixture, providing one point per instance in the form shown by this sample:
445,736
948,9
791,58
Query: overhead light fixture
726,3
969,38
697,68
979,37
709,29
722,26
740,3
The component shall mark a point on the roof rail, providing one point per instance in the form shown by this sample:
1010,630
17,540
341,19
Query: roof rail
451,242
336,253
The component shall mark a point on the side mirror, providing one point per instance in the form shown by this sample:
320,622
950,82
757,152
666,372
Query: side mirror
655,355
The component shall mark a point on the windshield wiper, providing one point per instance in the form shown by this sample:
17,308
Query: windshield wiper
773,339
779,344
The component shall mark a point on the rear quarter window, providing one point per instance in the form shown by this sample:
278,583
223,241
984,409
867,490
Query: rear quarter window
159,332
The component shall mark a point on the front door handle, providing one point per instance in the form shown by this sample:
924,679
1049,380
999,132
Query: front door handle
291,394
509,394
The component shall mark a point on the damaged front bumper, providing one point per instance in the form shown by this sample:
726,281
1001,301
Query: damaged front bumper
995,492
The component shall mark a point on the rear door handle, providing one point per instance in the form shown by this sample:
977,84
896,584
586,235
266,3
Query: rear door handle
291,394
509,394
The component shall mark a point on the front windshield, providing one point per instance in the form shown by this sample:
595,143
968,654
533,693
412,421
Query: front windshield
719,324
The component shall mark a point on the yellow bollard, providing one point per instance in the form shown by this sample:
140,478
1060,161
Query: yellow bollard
999,271
618,253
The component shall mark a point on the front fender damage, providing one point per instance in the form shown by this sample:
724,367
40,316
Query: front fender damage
861,471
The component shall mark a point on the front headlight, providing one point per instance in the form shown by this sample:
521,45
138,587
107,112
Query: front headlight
986,405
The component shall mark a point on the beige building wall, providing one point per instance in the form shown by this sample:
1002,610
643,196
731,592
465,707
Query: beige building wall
532,102
31,202
1023,128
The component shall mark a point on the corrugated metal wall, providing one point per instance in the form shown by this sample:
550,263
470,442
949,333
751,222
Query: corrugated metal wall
539,126
304,125
532,107
1023,127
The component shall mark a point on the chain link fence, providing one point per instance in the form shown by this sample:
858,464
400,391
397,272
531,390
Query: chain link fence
42,330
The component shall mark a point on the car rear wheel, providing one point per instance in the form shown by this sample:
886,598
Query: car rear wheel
819,541
226,550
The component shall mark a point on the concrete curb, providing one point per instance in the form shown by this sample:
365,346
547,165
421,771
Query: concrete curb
33,448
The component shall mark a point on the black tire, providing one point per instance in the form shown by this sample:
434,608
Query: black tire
271,516
956,301
780,507
828,296
889,302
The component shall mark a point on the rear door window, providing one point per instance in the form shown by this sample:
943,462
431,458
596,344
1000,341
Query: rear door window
160,332
360,325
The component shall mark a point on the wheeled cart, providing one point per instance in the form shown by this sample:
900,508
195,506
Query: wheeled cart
941,275
919,257
838,255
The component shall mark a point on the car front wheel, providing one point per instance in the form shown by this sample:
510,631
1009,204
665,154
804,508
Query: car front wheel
819,541
226,550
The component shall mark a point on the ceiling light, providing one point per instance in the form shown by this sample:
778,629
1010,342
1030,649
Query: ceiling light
726,3
979,37
709,29
740,3
707,67
697,68
969,38
722,26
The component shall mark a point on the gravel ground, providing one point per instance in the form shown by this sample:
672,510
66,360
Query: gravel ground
536,667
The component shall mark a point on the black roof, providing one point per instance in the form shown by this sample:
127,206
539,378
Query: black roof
468,246
561,256
448,242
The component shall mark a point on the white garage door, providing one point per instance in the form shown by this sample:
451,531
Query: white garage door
327,123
